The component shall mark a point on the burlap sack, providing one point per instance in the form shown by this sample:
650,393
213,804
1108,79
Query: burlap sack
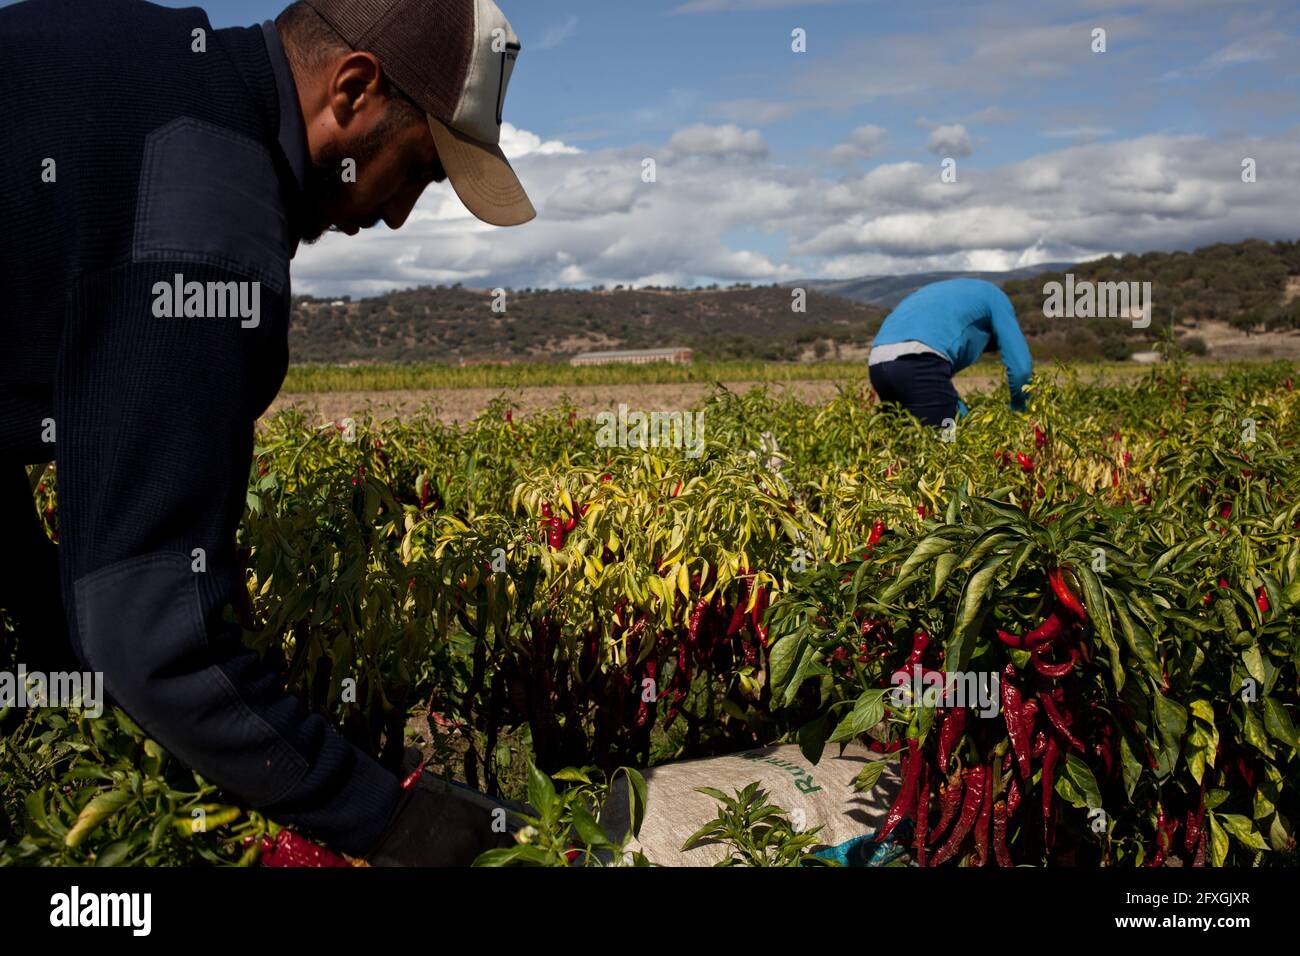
820,795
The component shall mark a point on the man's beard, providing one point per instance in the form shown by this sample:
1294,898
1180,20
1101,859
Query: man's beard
324,188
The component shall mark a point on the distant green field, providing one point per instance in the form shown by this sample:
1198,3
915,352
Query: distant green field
385,378
398,378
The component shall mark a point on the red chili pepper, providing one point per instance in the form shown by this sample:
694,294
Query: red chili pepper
1195,821
697,614
1050,757
546,510
1040,437
646,708
906,799
1065,595
1011,640
873,539
1012,713
290,849
970,809
954,724
922,814
1050,630
1040,744
1000,851
1058,722
1053,670
1261,600
885,747
1026,463
413,777
738,616
1105,748
1225,510
756,617
949,803
1013,795
982,824
920,641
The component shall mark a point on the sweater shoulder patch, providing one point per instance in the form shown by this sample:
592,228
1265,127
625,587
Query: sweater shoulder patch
211,196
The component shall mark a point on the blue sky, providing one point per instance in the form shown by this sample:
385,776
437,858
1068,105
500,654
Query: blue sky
774,165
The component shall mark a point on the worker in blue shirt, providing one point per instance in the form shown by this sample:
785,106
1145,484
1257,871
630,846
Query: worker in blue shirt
936,332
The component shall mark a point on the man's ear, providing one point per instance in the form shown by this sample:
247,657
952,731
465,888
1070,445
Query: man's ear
355,88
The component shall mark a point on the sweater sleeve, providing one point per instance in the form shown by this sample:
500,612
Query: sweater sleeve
154,412
1013,348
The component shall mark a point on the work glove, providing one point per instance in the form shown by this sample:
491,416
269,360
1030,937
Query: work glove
437,824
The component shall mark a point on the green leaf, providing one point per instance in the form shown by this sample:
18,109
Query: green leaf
934,544
1218,842
1254,661
636,797
541,792
113,854
523,853
1140,643
572,775
957,654
1099,615
1278,723
1171,723
812,738
1253,731
1130,765
942,569
1242,829
868,711
869,775
588,829
784,655
1081,776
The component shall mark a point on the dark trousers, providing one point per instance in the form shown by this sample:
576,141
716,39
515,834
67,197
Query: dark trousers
920,383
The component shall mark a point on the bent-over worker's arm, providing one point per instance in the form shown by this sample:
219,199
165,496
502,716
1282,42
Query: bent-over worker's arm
1014,349
154,443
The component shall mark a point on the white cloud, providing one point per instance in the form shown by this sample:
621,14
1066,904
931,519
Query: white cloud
728,140
518,143
599,223
863,143
950,141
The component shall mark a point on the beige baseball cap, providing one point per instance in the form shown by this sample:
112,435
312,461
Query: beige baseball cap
454,58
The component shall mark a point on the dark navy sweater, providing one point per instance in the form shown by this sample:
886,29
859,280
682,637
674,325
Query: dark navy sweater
131,158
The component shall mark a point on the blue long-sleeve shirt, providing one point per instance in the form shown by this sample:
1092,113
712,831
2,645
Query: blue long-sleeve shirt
963,318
